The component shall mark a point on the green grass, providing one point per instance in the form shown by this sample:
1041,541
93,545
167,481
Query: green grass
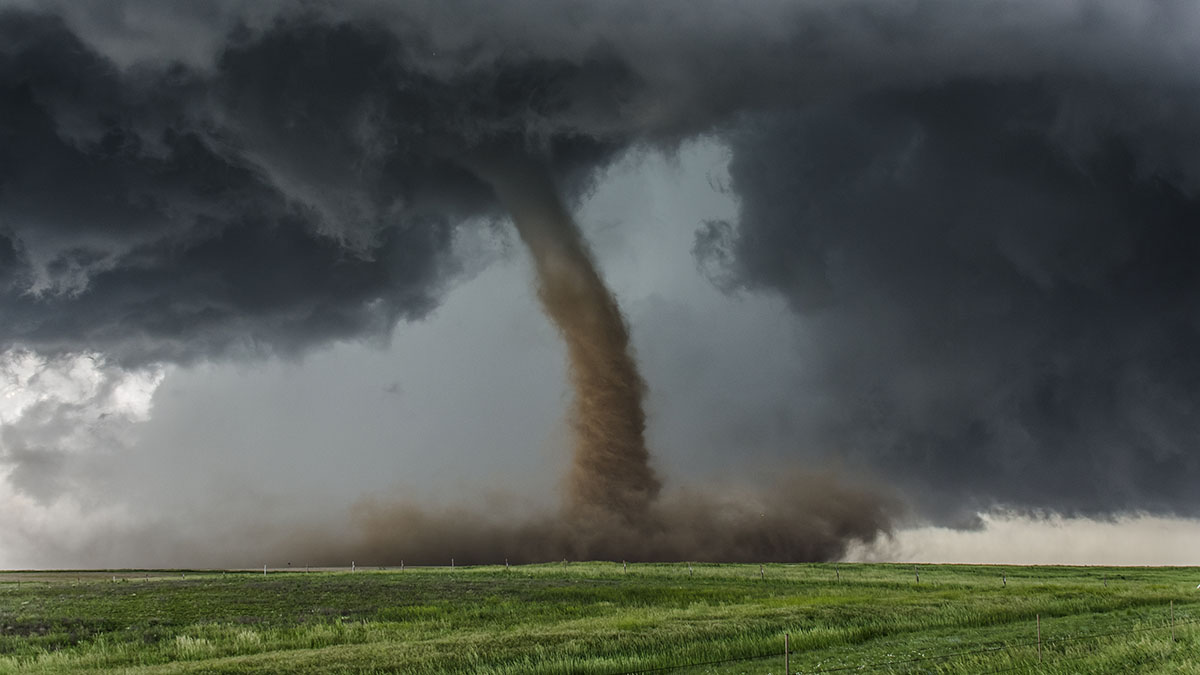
595,618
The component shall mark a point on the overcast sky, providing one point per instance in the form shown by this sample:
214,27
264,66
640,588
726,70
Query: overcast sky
945,251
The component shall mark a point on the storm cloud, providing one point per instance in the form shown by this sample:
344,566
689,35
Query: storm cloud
305,189
1000,283
981,215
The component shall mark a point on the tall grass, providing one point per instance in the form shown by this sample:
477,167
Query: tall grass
594,618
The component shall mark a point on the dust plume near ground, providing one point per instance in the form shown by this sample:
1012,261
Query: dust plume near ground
802,517
799,517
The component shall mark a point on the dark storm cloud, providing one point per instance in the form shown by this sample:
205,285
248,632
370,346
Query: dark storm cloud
1000,280
304,190
284,174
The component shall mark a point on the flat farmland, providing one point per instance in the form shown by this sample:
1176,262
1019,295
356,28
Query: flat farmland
604,618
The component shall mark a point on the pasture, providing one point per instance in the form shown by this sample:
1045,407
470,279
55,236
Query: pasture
601,619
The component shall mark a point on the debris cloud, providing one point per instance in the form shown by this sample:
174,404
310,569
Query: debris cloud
800,517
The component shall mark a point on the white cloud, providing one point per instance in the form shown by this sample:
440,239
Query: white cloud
83,382
56,416
1055,540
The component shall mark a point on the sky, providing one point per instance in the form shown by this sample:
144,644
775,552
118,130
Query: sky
914,278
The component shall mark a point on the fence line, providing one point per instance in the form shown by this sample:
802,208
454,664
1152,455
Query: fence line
996,646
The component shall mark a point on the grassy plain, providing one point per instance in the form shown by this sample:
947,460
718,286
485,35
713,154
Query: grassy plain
596,618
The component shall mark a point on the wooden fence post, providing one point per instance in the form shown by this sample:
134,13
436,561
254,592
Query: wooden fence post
787,655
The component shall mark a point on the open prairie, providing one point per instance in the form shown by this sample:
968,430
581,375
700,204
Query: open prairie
602,618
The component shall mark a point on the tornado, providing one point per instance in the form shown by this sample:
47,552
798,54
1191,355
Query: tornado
610,474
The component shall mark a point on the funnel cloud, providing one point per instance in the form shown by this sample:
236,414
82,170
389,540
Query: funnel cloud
610,472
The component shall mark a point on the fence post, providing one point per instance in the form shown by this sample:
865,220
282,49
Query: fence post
1039,631
787,655
917,574
761,573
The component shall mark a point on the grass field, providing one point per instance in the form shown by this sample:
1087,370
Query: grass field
598,618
